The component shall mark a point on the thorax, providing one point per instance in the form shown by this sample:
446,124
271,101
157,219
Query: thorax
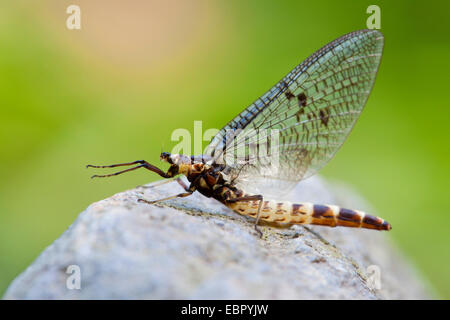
211,181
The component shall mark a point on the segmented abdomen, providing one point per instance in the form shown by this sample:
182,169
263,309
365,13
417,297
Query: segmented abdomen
308,213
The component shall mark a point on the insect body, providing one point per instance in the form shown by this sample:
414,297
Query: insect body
285,136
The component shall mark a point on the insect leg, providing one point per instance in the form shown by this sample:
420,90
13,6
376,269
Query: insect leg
160,183
181,195
189,190
246,198
157,184
251,198
183,185
142,164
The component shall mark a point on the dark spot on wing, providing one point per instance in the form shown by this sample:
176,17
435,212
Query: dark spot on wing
324,117
301,97
303,152
289,95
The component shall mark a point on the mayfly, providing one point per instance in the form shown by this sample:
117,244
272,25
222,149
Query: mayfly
285,136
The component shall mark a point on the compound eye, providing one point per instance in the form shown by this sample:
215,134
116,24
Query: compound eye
164,155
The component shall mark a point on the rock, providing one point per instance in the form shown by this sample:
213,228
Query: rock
196,248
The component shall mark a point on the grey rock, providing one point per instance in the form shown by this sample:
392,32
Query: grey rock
196,248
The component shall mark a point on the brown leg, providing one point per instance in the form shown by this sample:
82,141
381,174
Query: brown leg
183,185
142,164
189,190
181,195
252,198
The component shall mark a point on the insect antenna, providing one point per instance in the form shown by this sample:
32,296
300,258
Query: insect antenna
113,166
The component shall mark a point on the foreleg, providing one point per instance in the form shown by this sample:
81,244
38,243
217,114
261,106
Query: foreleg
142,164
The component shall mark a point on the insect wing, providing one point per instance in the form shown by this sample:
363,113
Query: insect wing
295,128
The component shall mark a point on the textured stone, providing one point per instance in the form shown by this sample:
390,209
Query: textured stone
196,248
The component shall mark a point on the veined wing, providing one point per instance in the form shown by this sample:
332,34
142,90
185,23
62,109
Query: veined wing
295,128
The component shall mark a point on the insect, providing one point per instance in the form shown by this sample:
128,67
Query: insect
287,135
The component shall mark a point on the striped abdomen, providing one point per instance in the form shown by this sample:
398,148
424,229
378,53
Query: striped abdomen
308,213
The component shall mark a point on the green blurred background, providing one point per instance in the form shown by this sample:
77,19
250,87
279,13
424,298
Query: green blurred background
116,89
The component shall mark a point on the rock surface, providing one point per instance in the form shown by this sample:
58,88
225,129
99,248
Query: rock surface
196,248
